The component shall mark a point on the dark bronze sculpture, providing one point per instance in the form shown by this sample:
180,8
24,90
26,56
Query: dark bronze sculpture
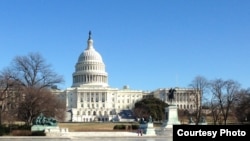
42,120
190,120
142,121
89,35
202,119
171,95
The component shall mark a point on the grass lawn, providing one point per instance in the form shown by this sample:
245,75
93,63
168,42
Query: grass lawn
91,126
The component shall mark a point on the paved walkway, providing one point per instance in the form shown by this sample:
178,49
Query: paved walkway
143,138
104,134
91,136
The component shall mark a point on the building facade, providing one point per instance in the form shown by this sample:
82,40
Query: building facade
92,99
184,98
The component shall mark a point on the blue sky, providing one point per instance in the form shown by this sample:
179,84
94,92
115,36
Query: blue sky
146,44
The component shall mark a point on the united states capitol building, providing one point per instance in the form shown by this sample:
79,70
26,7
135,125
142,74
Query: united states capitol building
90,98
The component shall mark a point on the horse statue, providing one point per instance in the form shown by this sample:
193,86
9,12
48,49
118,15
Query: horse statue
42,120
171,95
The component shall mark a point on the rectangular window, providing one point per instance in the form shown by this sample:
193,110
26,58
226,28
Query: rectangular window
103,98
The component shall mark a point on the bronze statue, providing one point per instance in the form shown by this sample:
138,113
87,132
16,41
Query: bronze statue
89,35
150,120
202,119
142,121
171,95
191,120
42,120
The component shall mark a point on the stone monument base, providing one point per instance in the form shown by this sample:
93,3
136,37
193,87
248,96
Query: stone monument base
35,128
171,117
203,123
49,130
150,130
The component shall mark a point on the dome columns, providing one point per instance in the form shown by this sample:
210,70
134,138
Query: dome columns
90,78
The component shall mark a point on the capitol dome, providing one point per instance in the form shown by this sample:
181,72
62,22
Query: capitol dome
90,69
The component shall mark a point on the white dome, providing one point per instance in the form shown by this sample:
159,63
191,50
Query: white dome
90,69
90,54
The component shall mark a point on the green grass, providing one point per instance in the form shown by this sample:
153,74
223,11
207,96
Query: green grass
91,126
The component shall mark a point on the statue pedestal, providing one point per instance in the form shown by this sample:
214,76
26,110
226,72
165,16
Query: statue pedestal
52,129
150,130
202,121
48,126
49,130
171,113
56,131
35,128
45,128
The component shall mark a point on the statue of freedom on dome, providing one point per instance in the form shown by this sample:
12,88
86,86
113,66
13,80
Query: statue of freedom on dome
89,34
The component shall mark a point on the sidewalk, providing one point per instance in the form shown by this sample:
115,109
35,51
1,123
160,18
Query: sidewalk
99,134
132,133
104,134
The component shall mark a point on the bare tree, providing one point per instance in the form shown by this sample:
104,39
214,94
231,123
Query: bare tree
215,110
40,101
225,92
199,84
34,77
242,107
9,93
33,71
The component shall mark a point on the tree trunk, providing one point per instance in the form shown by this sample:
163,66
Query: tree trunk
0,115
